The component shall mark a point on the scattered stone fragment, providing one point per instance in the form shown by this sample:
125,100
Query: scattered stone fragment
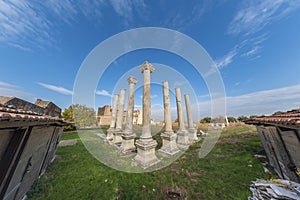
260,156
274,189
64,143
266,170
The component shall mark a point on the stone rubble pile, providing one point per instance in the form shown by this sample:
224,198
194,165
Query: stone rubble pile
275,189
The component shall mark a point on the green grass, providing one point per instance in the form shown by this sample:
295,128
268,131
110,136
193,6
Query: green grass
225,173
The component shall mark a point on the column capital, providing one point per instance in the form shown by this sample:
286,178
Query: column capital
146,66
132,80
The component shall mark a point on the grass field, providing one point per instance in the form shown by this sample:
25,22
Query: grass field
226,173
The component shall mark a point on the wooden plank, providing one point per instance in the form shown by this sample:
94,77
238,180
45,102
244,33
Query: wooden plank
292,145
282,155
262,132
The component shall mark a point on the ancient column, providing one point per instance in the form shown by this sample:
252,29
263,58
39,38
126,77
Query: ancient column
127,146
169,146
146,145
182,133
118,131
112,126
191,129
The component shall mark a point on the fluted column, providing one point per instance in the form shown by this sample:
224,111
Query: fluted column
182,133
169,146
191,129
146,145
128,136
118,131
110,135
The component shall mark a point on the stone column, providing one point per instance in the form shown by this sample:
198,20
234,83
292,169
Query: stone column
127,146
182,133
146,145
111,129
191,129
169,146
118,131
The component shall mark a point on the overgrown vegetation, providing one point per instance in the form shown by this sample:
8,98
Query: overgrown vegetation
82,115
226,173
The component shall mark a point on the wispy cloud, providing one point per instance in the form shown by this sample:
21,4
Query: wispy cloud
104,93
253,16
7,89
55,88
227,59
25,23
126,8
252,52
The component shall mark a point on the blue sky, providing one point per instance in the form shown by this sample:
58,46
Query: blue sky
255,45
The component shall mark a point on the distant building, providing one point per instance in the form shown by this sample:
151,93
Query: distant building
104,116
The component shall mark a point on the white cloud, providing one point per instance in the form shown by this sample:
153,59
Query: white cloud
25,23
7,89
125,8
253,16
252,52
227,59
56,88
258,103
104,93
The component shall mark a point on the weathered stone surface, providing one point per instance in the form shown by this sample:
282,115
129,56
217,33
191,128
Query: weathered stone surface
169,146
146,145
182,133
146,153
118,130
127,146
111,129
191,129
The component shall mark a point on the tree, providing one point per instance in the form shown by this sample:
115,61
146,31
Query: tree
68,115
242,118
80,115
205,120
231,119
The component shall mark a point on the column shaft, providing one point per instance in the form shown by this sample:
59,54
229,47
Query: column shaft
188,111
146,134
120,110
179,109
167,109
114,111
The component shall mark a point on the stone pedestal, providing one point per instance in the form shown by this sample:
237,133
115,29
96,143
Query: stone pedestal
169,146
182,133
111,129
192,131
146,153
118,130
146,145
127,146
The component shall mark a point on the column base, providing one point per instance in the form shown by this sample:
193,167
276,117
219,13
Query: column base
169,147
127,147
192,135
110,134
183,139
117,137
146,153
